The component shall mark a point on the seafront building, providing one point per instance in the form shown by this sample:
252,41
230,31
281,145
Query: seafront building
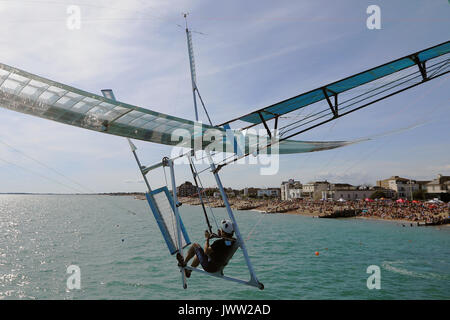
325,190
345,191
403,187
347,194
315,189
393,187
291,189
439,187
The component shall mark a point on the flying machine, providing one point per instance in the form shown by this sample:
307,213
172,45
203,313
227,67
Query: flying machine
31,94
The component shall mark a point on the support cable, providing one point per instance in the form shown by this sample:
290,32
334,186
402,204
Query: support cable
199,191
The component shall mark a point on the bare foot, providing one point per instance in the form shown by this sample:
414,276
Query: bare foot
180,259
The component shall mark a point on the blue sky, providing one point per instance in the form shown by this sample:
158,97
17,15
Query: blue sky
254,53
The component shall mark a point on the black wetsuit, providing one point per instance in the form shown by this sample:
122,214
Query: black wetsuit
221,249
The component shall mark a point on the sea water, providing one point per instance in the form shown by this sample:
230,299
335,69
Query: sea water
121,254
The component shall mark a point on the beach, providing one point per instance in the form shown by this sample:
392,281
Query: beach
419,213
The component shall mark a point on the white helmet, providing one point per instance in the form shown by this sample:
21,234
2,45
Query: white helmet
227,226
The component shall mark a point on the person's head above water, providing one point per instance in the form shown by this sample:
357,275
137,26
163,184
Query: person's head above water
227,227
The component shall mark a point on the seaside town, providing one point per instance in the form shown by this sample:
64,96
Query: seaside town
394,198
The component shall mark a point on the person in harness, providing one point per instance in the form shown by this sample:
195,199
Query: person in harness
214,257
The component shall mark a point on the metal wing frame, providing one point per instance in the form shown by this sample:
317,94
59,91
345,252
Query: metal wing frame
350,94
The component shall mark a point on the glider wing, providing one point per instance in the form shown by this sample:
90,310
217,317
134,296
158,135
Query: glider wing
24,92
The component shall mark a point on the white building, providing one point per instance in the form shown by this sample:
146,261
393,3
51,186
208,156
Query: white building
291,189
348,194
316,187
404,188
439,187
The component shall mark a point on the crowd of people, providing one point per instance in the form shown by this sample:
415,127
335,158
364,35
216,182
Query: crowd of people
417,211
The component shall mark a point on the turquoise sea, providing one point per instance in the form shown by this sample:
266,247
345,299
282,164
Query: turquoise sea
121,254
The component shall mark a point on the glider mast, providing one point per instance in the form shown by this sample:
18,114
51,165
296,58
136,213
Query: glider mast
193,75
192,65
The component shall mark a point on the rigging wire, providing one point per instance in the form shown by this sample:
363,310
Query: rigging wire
40,175
329,132
200,191
82,189
377,147
203,190
204,107
46,166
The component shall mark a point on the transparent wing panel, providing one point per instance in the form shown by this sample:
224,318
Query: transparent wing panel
27,93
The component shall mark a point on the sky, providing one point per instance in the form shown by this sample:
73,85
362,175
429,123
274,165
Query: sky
249,54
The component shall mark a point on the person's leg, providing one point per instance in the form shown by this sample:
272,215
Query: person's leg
189,255
194,251
196,260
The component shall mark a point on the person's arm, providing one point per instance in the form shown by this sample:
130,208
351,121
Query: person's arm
207,236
